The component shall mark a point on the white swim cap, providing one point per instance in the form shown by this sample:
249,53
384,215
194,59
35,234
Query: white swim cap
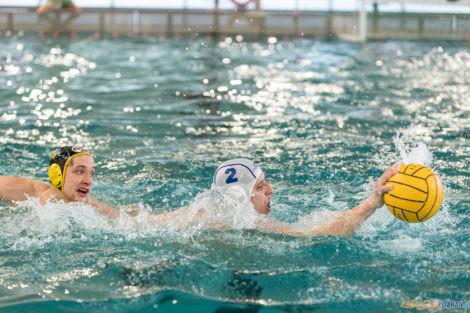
237,172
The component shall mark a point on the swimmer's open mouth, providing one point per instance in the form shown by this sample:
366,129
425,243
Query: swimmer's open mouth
83,191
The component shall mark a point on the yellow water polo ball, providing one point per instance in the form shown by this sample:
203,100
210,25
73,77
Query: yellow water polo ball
416,195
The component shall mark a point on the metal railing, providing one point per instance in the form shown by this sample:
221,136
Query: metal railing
165,22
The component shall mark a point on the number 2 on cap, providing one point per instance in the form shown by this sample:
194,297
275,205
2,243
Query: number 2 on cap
231,178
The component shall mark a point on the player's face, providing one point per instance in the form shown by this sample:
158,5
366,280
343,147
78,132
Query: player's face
79,178
261,196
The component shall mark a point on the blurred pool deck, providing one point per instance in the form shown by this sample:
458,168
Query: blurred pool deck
195,23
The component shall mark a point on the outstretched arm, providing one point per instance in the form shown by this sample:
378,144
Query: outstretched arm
103,208
18,189
349,221
179,217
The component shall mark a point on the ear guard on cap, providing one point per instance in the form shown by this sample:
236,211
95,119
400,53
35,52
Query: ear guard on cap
55,175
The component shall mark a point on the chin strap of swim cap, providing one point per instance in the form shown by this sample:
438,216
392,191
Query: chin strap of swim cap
58,164
237,172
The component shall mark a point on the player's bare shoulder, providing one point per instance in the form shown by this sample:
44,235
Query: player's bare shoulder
48,193
19,189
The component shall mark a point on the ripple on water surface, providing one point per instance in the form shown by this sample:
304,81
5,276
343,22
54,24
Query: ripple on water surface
323,119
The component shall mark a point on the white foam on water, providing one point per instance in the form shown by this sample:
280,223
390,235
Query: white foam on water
217,208
59,216
225,208
409,151
30,224
404,244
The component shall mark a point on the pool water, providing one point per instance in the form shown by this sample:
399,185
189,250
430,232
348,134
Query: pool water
323,120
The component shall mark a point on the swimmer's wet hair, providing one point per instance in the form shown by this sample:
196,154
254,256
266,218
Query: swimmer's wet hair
58,164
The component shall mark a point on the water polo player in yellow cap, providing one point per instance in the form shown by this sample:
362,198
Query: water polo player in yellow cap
71,171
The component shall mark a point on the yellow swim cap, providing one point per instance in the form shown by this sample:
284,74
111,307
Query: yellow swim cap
58,164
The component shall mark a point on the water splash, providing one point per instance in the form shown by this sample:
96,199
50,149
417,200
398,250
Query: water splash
411,152
224,208
50,219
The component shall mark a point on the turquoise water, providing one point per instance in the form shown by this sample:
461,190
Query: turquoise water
323,119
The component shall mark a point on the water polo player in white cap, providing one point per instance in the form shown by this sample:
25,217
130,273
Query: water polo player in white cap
71,171
247,175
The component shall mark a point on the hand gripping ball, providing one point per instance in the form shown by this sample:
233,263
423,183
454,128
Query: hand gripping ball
416,195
